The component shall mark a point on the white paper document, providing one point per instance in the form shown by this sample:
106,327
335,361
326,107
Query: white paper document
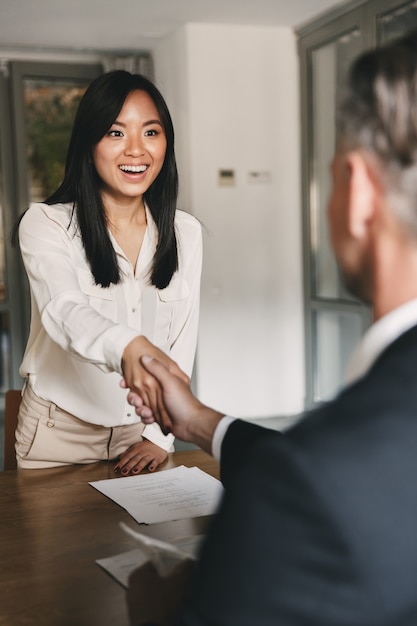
165,496
164,555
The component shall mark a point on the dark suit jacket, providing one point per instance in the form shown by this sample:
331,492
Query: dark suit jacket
319,526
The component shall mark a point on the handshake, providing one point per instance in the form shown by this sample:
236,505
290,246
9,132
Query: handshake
164,396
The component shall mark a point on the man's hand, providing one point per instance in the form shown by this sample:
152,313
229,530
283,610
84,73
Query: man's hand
185,416
139,456
153,599
140,381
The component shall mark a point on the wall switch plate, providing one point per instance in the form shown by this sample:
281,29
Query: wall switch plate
259,176
226,178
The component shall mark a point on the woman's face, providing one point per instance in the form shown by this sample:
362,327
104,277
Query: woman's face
130,155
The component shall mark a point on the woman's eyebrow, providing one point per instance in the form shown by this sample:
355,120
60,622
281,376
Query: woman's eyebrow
153,122
148,123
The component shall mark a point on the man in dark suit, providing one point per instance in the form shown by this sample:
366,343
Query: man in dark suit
318,526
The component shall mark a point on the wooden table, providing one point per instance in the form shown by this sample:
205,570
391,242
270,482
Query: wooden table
53,527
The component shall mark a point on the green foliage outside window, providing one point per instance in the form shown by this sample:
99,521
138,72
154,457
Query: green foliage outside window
50,111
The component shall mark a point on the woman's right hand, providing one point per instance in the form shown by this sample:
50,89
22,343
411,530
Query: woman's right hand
138,380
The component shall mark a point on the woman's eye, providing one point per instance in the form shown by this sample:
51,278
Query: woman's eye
115,133
151,132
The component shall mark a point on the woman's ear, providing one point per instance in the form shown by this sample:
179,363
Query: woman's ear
364,190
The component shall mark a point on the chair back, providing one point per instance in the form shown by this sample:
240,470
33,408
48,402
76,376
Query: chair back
12,400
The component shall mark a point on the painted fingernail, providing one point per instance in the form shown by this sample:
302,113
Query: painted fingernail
117,469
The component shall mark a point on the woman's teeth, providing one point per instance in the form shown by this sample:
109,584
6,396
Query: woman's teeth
136,169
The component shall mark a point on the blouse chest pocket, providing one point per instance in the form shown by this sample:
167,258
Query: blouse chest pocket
170,303
101,299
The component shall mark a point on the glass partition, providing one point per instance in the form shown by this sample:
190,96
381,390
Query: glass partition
5,371
397,21
329,65
335,321
336,333
3,282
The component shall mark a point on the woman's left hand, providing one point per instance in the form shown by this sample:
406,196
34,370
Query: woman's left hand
139,456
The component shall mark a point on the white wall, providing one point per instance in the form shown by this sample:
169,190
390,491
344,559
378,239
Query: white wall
233,95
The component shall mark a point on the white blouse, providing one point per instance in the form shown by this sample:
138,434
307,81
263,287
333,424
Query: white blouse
79,330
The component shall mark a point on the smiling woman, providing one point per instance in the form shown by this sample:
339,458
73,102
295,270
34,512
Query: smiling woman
131,154
114,270
128,159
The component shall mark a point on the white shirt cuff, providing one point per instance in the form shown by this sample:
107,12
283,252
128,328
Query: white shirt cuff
219,433
153,433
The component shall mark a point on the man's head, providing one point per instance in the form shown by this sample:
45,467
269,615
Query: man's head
375,167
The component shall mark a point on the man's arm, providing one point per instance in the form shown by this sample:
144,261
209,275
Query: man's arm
185,416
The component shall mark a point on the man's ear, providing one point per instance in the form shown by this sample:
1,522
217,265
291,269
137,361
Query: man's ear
363,193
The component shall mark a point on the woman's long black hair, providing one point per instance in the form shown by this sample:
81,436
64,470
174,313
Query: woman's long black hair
97,111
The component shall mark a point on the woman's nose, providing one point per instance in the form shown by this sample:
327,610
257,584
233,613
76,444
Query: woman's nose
134,145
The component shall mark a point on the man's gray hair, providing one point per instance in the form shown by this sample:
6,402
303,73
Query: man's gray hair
379,114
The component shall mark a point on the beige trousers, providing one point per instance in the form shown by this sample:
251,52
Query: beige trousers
47,436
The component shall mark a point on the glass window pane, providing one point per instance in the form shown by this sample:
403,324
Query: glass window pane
50,106
3,291
330,64
335,334
397,22
4,352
